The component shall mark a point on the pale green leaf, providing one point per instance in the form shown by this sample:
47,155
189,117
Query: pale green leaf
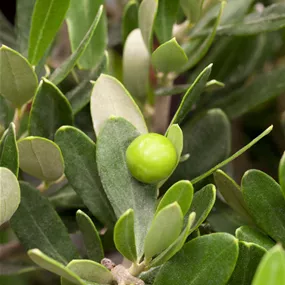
282,173
192,9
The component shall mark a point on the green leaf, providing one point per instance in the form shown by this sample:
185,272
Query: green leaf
130,18
40,158
91,236
242,100
9,154
90,271
147,13
164,230
79,153
192,9
169,57
191,96
196,49
252,235
202,204
62,71
124,235
231,192
124,191
110,98
175,246
136,61
81,15
50,110
46,21
53,266
265,202
37,225
249,257
271,270
282,173
9,194
198,261
234,156
18,81
181,192
6,113
165,19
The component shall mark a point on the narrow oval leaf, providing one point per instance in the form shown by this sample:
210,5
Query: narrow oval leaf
202,255
91,236
46,21
80,16
50,110
165,19
249,257
164,230
266,203
62,71
252,235
231,193
192,9
18,81
9,194
79,153
110,98
124,191
9,154
130,18
136,61
124,235
147,14
271,270
181,192
192,95
53,266
282,173
169,57
40,158
37,225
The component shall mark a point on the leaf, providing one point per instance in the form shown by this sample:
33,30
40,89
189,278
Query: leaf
249,257
169,57
191,96
62,71
265,202
77,28
124,235
271,270
234,156
90,271
130,18
252,235
110,98
91,236
231,192
40,158
9,154
198,261
6,113
37,225
175,246
46,21
282,173
164,230
181,192
79,153
50,110
192,9
53,266
147,13
9,194
123,191
136,61
165,19
18,81
243,100
202,204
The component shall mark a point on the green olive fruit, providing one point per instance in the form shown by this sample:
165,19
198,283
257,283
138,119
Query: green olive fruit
151,158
